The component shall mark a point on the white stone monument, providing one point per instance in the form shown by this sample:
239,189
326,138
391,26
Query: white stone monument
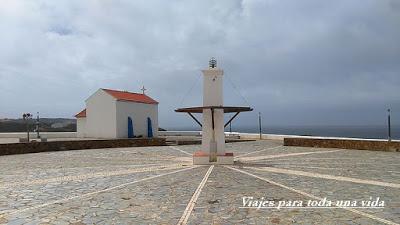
213,126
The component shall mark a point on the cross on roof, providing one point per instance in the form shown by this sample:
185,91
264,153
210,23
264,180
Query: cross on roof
143,89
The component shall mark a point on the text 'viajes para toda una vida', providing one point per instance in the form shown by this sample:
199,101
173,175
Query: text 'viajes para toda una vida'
268,203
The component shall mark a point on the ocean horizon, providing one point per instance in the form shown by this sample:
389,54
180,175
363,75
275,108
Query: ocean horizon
354,131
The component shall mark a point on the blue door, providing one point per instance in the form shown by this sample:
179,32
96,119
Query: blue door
130,128
149,128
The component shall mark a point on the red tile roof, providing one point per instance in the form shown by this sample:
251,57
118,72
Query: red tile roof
129,96
81,114
123,96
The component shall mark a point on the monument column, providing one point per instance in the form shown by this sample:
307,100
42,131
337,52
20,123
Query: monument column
213,138
213,126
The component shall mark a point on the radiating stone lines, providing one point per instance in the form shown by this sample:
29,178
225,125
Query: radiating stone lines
180,150
175,197
254,158
328,163
94,175
312,159
330,168
96,192
314,197
189,208
250,153
117,166
326,176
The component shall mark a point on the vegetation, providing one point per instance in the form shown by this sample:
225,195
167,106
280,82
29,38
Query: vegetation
46,125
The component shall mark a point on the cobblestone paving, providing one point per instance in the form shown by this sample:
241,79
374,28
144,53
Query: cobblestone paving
158,185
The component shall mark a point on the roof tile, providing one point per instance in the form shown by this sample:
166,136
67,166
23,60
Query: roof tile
81,114
129,96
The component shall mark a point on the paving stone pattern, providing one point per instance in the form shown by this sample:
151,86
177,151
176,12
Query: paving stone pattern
154,185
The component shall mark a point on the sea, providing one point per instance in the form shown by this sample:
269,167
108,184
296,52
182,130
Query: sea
366,131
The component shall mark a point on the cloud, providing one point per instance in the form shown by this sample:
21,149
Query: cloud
308,62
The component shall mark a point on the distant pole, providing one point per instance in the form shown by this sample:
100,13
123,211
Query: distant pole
230,127
26,117
389,127
27,130
37,125
259,124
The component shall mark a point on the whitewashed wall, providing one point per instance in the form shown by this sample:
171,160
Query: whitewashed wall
81,127
139,113
101,116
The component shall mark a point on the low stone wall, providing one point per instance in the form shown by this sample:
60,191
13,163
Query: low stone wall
34,147
179,133
373,145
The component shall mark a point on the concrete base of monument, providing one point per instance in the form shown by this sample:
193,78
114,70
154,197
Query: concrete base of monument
202,158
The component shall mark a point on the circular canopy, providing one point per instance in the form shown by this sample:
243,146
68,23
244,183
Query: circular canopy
227,109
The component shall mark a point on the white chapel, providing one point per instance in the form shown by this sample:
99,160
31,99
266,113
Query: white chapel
118,114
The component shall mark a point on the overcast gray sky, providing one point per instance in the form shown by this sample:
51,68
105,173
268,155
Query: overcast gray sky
307,62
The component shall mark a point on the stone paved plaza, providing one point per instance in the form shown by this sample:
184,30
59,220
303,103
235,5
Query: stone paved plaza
159,185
